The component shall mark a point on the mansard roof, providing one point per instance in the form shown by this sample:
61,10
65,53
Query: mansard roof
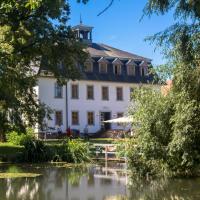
102,50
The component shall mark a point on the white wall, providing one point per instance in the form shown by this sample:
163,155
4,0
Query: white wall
83,105
46,95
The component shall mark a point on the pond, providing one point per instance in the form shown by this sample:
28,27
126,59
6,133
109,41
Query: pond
93,182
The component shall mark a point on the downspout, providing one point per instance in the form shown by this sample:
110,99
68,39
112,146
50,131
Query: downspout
66,91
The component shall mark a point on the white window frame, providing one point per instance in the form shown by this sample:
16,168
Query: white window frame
87,92
122,94
75,111
91,66
61,117
102,93
128,70
106,65
72,91
120,70
56,85
93,113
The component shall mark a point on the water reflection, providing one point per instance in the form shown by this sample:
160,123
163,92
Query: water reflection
92,183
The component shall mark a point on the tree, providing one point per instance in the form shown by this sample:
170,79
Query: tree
33,35
167,138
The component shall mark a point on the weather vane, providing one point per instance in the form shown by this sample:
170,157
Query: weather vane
81,19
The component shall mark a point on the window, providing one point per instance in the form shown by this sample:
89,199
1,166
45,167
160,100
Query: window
58,91
105,93
131,93
119,93
75,118
103,68
90,92
74,90
120,114
88,67
131,70
117,69
58,118
143,71
90,118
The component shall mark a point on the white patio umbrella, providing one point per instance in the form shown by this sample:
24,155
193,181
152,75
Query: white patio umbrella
125,120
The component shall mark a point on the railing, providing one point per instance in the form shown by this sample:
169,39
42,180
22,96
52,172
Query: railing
107,149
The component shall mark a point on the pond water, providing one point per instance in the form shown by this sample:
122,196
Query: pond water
96,182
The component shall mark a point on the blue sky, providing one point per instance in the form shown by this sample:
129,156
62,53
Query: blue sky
120,26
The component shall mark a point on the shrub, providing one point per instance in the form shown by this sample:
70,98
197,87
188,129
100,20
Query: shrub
79,151
167,131
36,151
72,151
16,138
13,138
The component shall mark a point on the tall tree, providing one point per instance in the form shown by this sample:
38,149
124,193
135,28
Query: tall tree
167,139
34,35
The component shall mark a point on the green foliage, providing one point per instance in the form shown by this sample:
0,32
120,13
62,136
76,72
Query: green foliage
10,152
19,138
182,8
73,151
13,138
35,151
167,128
33,35
151,130
79,151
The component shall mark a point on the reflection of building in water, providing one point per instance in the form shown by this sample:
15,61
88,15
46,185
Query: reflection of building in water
93,183
96,184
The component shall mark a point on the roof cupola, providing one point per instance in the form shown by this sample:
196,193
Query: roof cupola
83,32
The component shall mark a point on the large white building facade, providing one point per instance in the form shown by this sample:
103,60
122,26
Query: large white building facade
102,93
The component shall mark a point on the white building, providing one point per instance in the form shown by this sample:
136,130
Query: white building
108,78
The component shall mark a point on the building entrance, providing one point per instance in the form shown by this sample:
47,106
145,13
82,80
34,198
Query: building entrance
103,117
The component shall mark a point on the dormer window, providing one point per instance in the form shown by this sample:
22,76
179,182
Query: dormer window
143,68
117,66
102,65
143,71
103,68
117,69
88,66
131,68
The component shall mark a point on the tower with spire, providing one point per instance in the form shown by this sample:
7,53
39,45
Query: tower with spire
83,32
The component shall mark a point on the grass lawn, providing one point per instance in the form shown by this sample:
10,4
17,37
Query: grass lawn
92,141
9,149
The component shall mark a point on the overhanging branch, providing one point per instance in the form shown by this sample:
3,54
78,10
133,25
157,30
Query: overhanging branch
106,8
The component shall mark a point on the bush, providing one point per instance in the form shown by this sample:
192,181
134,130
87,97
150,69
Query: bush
79,151
36,151
13,138
72,151
16,138
167,131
